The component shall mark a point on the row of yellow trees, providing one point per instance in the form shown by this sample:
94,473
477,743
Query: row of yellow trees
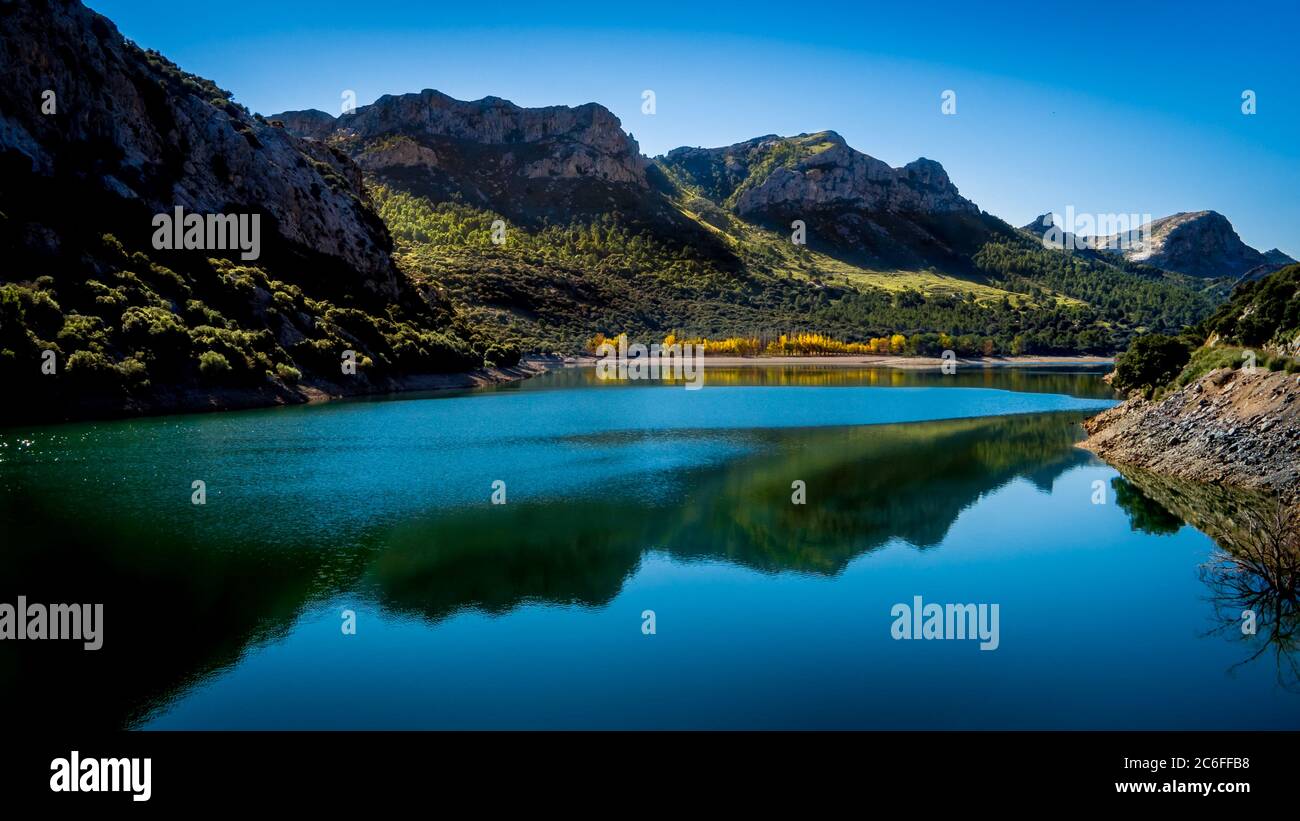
802,344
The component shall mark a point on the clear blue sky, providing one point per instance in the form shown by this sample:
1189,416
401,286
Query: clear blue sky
1111,108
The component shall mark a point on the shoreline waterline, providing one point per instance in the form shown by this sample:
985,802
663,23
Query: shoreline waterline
901,362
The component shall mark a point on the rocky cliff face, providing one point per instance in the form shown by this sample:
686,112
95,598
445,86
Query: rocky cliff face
310,123
1230,427
840,177
907,217
556,162
129,124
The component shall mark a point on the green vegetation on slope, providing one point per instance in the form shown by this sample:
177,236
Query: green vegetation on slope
1263,313
1259,324
1136,297
134,333
551,288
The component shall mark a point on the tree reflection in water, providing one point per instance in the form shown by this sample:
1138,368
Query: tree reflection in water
1254,567
1254,579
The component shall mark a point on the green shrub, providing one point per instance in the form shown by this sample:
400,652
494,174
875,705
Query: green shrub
287,373
106,296
83,332
92,367
155,324
1150,362
501,356
201,314
213,364
13,330
168,280
113,246
134,371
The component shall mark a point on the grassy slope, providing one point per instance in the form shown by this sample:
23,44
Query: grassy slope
553,288
1261,322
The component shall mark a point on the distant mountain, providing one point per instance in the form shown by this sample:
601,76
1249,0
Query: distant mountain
851,203
1198,243
815,170
559,164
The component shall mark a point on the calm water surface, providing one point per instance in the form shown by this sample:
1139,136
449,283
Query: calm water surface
622,499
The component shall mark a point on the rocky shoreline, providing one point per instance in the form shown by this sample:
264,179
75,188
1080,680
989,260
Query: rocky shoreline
1233,428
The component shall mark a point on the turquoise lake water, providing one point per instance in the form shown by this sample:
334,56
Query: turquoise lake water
622,499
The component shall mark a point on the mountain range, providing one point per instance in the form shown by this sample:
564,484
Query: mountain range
884,249
426,234
561,163
558,163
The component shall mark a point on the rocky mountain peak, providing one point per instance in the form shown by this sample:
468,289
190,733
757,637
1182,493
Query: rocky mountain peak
828,173
1040,224
553,162
1200,243
928,173
311,123
588,132
815,171
852,204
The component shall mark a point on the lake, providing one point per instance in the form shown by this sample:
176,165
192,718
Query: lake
350,569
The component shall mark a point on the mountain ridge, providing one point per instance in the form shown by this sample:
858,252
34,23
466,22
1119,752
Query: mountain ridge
1197,243
556,162
857,207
